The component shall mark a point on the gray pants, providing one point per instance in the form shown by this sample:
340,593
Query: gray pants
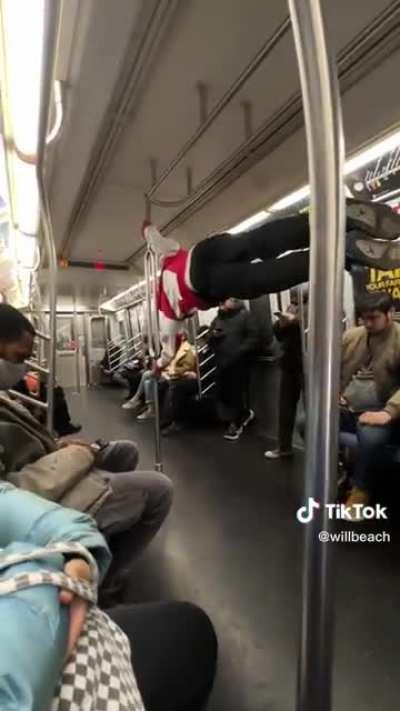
135,511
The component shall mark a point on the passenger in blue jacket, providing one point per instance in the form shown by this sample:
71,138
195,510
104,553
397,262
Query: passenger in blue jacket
30,621
174,643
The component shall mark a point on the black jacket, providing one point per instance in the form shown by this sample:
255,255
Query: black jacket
289,337
233,336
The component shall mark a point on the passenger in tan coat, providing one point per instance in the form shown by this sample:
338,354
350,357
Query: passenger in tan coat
370,389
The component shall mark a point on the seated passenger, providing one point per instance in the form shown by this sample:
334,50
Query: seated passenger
110,366
287,330
129,506
266,259
181,405
173,645
233,338
111,358
132,371
370,389
183,362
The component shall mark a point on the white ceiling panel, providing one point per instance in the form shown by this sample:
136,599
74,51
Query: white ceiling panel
97,52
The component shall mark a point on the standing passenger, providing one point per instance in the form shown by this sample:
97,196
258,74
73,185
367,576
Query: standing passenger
287,330
233,337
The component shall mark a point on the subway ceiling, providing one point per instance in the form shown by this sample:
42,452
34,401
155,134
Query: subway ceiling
140,79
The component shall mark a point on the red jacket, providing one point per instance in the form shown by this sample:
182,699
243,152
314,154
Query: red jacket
177,299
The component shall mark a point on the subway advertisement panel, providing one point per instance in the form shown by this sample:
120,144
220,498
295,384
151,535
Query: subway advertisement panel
367,280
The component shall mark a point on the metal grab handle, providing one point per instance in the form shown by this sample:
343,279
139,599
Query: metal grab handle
203,348
43,336
325,159
35,366
207,360
212,385
150,270
207,375
202,335
28,400
195,338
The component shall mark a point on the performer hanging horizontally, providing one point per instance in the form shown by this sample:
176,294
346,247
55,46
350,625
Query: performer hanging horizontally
272,257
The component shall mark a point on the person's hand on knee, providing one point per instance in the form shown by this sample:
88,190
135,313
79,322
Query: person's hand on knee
376,419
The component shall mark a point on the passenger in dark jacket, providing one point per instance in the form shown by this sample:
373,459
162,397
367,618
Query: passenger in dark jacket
287,330
233,337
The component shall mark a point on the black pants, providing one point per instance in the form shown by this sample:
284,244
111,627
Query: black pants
222,265
174,651
178,401
290,389
62,417
133,377
231,390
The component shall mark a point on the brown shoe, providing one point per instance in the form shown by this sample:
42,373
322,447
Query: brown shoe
357,499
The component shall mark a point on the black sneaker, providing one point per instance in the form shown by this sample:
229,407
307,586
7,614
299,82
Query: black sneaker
374,218
368,252
69,429
233,432
171,429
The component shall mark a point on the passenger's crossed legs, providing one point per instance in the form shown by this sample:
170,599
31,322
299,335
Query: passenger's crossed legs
136,509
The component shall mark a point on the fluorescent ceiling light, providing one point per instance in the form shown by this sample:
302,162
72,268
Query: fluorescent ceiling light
58,104
27,195
23,23
112,304
3,173
291,199
250,222
358,161
26,251
372,153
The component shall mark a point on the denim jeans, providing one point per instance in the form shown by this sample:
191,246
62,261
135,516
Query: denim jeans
371,439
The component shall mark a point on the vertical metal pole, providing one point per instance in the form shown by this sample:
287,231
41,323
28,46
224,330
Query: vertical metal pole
52,9
139,328
150,268
75,331
325,159
194,336
88,353
303,330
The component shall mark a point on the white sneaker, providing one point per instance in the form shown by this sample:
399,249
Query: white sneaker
148,414
131,404
233,432
278,454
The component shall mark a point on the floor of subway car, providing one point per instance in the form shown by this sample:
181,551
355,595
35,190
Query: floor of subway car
232,545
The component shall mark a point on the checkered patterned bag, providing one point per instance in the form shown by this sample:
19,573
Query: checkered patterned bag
99,675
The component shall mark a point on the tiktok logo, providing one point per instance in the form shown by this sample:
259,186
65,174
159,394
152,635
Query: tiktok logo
305,514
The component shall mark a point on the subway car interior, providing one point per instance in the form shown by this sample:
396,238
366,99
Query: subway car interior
215,118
